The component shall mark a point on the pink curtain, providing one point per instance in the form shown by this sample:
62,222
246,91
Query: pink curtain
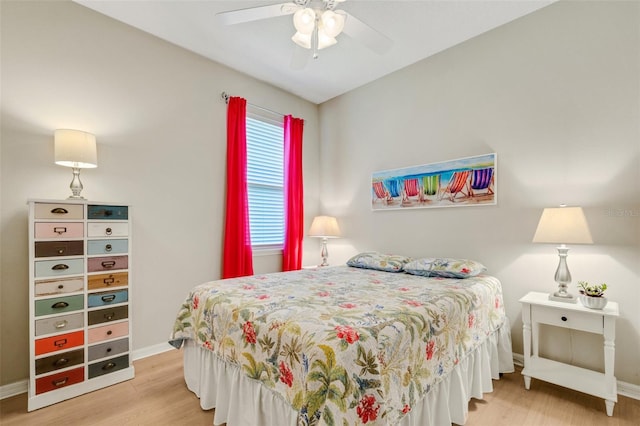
293,194
237,255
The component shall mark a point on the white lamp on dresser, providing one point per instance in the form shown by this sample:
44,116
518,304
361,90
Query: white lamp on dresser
76,149
324,227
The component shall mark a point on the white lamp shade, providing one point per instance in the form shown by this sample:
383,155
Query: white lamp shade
563,225
302,40
304,20
324,40
75,148
324,227
332,23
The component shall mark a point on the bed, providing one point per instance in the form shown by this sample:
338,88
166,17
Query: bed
343,345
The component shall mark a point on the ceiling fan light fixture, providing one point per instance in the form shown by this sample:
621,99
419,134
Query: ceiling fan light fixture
302,40
332,23
304,20
324,40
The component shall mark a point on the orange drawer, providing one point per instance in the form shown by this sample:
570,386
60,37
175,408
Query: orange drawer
59,342
59,380
110,331
117,279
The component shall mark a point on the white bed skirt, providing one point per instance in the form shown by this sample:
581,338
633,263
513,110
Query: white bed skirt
240,401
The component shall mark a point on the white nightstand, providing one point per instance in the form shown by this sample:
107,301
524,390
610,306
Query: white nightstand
538,309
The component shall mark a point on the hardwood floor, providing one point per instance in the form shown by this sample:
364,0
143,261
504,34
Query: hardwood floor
158,396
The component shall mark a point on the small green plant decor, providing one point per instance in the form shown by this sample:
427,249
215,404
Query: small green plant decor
592,296
595,290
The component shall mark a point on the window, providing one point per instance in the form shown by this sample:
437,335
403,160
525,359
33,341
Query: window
265,180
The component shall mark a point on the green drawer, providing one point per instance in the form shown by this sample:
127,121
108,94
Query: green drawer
107,212
108,366
55,268
59,305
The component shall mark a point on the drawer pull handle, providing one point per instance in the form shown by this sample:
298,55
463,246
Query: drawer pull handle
61,382
108,350
108,263
59,210
108,366
563,318
109,298
59,229
108,231
108,247
60,343
61,324
60,267
108,281
110,316
60,286
109,333
60,362
59,305
61,250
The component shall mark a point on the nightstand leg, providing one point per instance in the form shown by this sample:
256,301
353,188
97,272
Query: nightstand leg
527,382
610,405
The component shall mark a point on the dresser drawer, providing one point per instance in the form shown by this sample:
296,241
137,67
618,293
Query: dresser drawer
53,268
58,361
58,305
117,279
108,366
107,229
568,318
110,331
59,342
59,380
106,298
58,211
107,247
59,286
110,314
59,230
107,212
59,324
59,248
113,348
109,263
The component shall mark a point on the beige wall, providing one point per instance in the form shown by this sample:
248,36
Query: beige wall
160,125
556,95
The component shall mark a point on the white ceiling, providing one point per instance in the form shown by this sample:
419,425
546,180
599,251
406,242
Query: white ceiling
263,49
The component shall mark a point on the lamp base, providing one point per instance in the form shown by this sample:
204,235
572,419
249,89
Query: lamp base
566,297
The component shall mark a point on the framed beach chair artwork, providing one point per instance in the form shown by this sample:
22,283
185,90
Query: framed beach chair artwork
468,181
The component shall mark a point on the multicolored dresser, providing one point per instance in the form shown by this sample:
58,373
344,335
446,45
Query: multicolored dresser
79,298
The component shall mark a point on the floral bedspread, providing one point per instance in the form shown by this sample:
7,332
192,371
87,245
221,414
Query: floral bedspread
342,345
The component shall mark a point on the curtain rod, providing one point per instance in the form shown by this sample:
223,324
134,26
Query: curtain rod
226,97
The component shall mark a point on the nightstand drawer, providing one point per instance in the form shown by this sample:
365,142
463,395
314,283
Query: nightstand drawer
58,211
59,286
107,212
59,380
107,247
568,318
104,350
60,323
118,279
59,230
107,229
59,248
59,361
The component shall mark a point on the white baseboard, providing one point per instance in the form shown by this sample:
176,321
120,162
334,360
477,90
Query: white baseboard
22,386
625,389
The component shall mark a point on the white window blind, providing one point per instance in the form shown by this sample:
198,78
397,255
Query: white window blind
265,182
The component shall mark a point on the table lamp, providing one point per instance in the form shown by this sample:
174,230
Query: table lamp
77,149
324,227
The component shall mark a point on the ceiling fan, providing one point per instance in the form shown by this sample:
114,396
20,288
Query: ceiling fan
317,24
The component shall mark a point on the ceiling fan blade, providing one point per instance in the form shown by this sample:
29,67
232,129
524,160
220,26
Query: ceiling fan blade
364,34
300,57
256,13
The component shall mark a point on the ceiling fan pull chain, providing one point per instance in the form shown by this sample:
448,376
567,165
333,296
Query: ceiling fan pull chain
314,40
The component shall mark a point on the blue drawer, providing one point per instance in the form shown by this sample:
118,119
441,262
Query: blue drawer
54,268
107,212
106,298
107,246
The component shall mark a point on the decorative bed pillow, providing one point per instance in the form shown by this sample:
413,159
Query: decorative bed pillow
444,267
379,261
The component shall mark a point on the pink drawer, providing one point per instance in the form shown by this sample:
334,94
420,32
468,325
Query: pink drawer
110,331
59,230
109,263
